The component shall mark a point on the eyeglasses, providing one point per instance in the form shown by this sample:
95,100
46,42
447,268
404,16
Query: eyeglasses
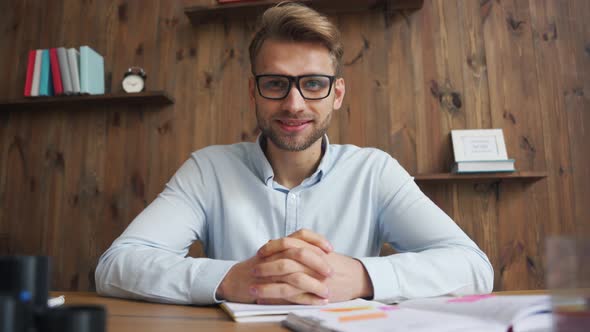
311,87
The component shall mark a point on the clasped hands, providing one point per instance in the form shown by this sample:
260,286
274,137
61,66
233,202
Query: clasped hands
301,268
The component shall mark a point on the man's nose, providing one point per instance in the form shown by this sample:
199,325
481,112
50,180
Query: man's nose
294,101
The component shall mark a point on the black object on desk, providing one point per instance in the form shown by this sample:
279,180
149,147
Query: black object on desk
24,289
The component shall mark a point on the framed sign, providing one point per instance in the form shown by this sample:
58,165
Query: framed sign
478,145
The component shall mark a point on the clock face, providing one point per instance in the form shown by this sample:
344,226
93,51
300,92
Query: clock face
133,83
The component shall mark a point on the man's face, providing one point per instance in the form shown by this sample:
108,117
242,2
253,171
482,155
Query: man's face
294,123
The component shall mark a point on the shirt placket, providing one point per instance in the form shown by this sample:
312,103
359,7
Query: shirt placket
291,213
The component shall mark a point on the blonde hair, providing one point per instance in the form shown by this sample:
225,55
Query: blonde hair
289,21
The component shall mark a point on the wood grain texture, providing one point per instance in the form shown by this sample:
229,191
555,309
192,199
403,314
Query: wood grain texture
550,34
72,178
209,12
577,106
78,102
514,100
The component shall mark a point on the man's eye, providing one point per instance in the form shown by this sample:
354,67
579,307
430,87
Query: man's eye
314,84
275,85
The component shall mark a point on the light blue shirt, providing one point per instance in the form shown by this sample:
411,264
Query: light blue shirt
226,197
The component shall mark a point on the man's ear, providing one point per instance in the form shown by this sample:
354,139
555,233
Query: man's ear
252,90
339,91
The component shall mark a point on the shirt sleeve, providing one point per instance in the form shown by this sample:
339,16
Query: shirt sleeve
148,261
435,257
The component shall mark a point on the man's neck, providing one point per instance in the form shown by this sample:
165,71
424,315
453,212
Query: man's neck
291,168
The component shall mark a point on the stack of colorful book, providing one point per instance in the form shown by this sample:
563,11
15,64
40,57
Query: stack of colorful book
61,71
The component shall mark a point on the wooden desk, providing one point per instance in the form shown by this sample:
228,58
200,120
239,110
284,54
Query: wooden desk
136,316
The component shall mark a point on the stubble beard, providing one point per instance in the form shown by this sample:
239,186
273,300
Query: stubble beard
288,142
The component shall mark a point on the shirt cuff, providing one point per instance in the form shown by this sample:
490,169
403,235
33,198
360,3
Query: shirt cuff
212,272
383,278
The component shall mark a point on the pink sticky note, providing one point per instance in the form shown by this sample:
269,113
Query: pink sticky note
470,298
389,308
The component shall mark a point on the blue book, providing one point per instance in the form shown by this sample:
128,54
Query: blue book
45,84
91,71
484,166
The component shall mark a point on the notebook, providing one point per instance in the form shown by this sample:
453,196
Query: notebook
91,71
64,70
55,72
45,81
469,313
30,71
36,74
74,64
484,166
244,313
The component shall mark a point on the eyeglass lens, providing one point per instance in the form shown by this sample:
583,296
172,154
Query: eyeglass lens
278,87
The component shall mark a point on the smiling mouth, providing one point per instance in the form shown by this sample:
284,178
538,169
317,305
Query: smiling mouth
293,125
293,122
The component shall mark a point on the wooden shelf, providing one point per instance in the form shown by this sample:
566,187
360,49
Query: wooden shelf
479,177
152,98
204,14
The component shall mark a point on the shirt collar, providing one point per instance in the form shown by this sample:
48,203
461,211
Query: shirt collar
264,170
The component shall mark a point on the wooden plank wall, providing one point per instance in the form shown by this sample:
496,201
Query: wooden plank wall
72,179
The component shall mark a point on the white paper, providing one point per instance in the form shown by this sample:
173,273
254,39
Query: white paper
56,301
469,313
270,312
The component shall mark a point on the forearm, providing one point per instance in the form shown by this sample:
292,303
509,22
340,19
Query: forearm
143,272
455,270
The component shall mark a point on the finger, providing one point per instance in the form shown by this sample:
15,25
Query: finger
308,284
308,298
274,291
273,301
314,238
275,246
299,299
278,267
301,281
307,259
291,286
275,279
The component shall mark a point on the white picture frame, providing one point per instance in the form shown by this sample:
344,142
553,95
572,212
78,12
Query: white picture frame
478,145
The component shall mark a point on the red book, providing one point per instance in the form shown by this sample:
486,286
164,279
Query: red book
30,70
55,73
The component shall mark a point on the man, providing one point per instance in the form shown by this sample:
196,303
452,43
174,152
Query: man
292,218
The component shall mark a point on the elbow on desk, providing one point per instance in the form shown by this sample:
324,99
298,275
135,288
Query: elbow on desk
486,282
481,273
484,276
99,276
480,279
103,275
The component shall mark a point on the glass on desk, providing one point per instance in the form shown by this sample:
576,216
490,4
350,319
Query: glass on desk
568,278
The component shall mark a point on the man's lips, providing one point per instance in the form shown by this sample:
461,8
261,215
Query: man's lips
293,125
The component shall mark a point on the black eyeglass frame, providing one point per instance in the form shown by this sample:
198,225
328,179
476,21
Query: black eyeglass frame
294,79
